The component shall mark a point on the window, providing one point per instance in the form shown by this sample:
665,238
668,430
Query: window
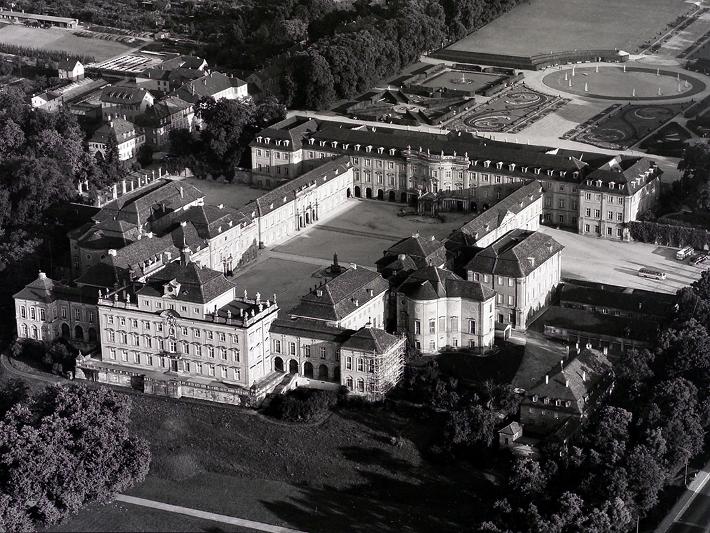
597,213
183,330
172,346
198,350
307,350
348,363
360,365
432,325
277,346
349,382
619,217
223,353
210,352
124,337
64,315
222,336
609,231
210,370
35,332
122,320
586,228
198,333
23,312
235,355
454,320
619,232
112,353
588,212
510,299
292,348
43,316
185,348
223,371
417,327
361,385
77,314
210,335
472,326
442,323
322,352
124,356
610,215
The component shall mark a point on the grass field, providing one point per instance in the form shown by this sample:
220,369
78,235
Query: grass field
461,81
541,26
614,83
342,475
58,39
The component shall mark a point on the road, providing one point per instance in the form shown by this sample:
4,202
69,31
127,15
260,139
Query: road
691,514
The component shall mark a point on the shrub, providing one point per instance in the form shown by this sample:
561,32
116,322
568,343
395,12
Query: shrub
302,405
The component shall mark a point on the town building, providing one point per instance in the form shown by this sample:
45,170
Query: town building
126,101
562,396
350,300
402,165
70,69
437,310
522,209
509,434
184,332
302,201
46,310
127,136
213,84
523,268
34,18
412,253
167,114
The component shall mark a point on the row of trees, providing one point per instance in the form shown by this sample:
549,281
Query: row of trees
62,448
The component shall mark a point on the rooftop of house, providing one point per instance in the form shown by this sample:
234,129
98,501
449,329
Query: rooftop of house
493,218
339,297
372,340
183,61
604,296
155,115
571,381
44,289
286,193
621,174
185,281
432,283
124,95
119,129
206,85
309,328
68,63
516,254
424,251
511,429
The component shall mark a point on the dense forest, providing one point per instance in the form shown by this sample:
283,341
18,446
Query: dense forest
335,48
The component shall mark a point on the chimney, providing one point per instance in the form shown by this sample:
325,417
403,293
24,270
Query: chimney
357,302
588,346
567,383
532,261
432,238
185,254
114,191
584,375
401,257
605,350
182,192
123,186
319,293
547,379
353,266
370,292
369,324
112,252
42,275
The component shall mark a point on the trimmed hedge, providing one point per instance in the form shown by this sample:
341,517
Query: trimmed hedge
677,235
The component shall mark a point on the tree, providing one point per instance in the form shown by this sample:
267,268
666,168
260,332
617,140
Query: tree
63,448
646,478
315,80
609,434
473,426
527,477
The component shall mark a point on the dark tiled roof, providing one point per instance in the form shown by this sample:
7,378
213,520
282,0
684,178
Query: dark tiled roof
337,298
118,129
67,63
162,110
432,283
207,85
574,381
116,94
183,61
314,329
285,193
615,297
424,251
43,289
197,285
511,429
627,174
371,340
516,254
209,219
490,220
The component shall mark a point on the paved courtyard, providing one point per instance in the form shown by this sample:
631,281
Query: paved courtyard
617,263
230,194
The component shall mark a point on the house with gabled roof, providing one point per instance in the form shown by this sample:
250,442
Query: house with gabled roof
438,309
523,268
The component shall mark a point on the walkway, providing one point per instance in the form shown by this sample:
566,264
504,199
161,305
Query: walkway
214,517
691,512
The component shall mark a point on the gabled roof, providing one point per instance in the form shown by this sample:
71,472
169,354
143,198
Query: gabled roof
516,254
117,94
207,85
197,284
423,251
574,381
183,61
491,219
286,193
119,129
309,328
627,174
602,295
373,340
68,63
511,429
45,290
341,296
432,283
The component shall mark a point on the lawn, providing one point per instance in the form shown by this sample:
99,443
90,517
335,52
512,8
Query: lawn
230,194
343,475
625,126
58,39
460,80
541,26
668,141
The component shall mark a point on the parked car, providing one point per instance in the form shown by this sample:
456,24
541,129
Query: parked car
699,259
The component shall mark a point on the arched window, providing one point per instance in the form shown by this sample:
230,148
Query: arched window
361,385
349,382
24,330
186,348
210,351
35,334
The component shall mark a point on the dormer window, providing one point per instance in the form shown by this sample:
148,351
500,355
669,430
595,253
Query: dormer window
380,150
486,164
334,144
311,141
286,143
346,146
511,167
499,165
534,398
322,143
278,142
550,172
172,288
392,151
599,183
267,140
575,174
589,182
537,171
368,149
357,147
259,138
611,184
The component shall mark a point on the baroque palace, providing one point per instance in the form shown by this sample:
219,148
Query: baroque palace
153,305
593,193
